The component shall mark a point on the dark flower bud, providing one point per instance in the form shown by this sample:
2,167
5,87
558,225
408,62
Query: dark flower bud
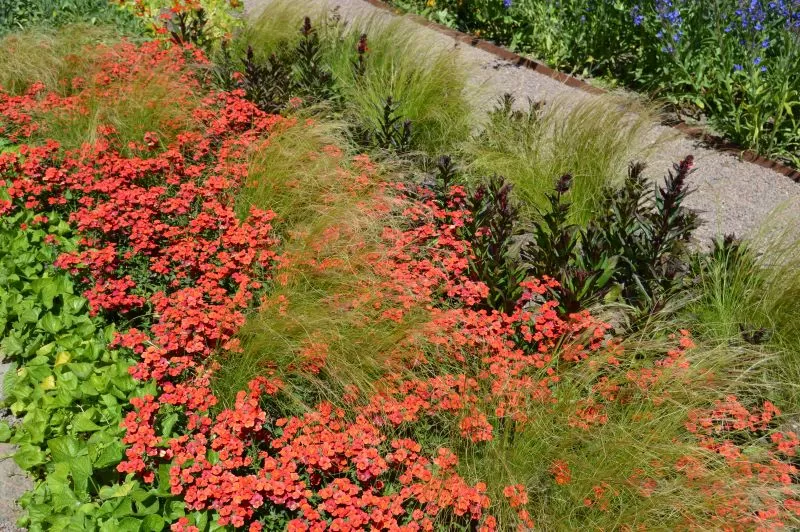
564,183
306,30
362,44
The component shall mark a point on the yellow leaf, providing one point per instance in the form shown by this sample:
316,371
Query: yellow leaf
62,358
48,383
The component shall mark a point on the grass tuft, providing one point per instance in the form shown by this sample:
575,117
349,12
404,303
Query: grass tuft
322,300
50,56
426,81
594,140
749,296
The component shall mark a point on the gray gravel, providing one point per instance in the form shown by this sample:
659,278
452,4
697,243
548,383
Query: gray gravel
732,196
13,480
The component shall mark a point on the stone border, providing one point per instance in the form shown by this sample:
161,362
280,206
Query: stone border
713,141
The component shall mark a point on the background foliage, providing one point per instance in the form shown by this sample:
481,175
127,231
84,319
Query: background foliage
20,14
733,62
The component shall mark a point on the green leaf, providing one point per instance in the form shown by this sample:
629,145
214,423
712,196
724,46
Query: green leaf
118,490
75,453
51,323
83,421
153,523
29,315
49,290
28,456
109,454
129,524
11,345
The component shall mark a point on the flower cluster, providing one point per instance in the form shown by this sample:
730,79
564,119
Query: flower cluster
162,250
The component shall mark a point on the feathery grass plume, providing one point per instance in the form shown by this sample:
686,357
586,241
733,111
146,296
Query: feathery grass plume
593,140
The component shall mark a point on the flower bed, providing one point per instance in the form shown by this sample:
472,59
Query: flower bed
472,418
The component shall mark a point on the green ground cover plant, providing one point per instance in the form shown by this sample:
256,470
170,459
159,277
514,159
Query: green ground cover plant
68,389
732,62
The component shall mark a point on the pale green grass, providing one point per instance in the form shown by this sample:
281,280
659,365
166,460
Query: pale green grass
593,139
50,56
153,101
289,171
324,218
425,80
755,291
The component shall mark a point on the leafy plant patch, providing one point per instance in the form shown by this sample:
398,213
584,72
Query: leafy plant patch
68,389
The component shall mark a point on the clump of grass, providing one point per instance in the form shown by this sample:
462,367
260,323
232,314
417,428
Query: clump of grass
289,172
278,24
152,102
749,295
67,62
425,82
323,295
50,56
593,140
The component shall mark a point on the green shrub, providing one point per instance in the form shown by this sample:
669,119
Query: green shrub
633,249
21,14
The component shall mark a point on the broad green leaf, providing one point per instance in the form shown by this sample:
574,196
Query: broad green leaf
153,523
51,323
118,490
69,450
83,421
29,456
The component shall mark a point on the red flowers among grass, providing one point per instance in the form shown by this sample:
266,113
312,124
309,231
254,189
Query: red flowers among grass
163,251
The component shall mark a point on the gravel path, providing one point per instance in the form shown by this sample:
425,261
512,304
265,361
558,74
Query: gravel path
733,196
13,480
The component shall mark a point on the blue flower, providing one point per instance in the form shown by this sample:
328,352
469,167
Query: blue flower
638,18
506,3
737,68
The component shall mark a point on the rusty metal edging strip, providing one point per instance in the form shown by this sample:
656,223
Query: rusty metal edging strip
698,133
